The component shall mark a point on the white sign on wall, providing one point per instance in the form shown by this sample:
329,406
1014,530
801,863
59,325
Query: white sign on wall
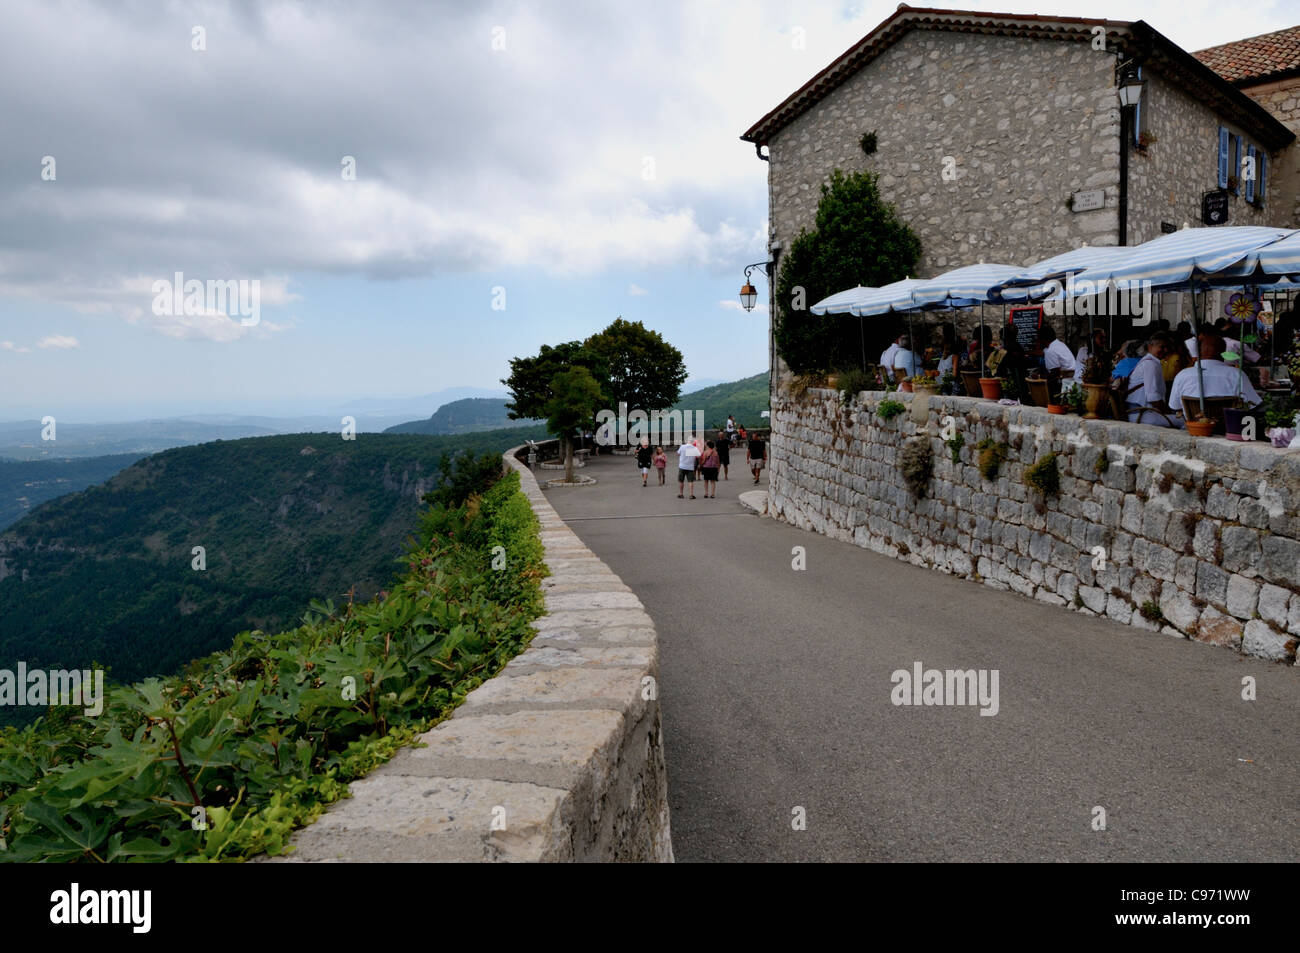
1087,201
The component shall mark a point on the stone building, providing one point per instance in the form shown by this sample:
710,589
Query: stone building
987,124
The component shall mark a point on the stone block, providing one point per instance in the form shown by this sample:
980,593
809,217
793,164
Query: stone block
1243,597
1093,598
1263,641
1178,608
1215,628
1273,605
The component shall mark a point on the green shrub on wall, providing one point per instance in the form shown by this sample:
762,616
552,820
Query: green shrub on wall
917,465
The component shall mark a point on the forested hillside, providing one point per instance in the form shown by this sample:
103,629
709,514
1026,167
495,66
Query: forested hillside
107,575
25,484
465,416
744,399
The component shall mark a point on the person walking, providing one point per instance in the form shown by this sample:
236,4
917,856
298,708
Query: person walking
724,453
756,456
644,459
709,470
661,463
687,454
731,427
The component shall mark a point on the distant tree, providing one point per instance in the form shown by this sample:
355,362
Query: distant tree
857,239
576,395
530,377
645,371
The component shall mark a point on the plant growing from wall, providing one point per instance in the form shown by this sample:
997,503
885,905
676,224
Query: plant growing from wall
955,445
992,454
868,142
853,382
1044,476
889,409
916,462
1151,611
857,239
1102,463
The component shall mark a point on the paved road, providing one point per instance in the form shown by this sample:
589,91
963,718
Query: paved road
776,685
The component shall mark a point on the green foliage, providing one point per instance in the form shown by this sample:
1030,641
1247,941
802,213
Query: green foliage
1151,611
465,476
644,370
1074,399
889,409
531,377
917,465
1044,476
1279,411
853,382
868,142
745,399
1096,370
575,398
857,239
263,735
283,520
1103,463
992,454
468,415
955,445
26,484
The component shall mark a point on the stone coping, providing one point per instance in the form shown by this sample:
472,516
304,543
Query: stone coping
557,758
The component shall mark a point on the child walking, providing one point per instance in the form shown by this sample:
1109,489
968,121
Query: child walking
661,463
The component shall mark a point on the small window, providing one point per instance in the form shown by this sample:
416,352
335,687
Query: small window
1223,157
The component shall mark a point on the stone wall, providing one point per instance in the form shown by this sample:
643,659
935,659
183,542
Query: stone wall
558,758
1207,531
1282,99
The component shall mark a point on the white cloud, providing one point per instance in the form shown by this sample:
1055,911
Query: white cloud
61,341
636,290
11,346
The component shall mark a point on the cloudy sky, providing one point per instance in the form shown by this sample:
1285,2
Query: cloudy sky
421,190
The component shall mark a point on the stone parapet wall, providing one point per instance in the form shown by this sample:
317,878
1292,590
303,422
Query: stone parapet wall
557,758
1206,530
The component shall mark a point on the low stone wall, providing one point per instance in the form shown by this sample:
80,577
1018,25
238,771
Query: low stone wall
558,758
1199,538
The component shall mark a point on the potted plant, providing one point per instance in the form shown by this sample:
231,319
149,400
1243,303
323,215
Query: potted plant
1096,385
991,388
1201,426
1073,400
1058,408
924,384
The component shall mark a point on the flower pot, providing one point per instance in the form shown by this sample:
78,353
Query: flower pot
991,388
1200,428
1233,417
905,387
1094,395
1056,408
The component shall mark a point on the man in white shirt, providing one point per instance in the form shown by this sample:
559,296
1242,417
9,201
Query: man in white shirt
1221,379
687,454
907,359
887,358
1230,344
1056,356
1147,384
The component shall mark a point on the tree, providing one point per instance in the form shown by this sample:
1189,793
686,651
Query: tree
645,371
576,395
857,239
530,377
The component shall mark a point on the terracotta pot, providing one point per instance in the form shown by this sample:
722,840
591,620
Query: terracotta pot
1056,408
905,387
1094,396
1200,428
991,387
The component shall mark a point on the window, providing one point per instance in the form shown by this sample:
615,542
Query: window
1223,157
1139,114
1234,165
1261,174
1251,161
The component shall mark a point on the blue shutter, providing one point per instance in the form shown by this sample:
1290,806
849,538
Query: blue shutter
1137,115
1261,188
1250,183
1223,157
1234,162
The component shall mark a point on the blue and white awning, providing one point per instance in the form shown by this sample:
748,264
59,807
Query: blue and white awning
962,287
1033,282
842,301
1171,261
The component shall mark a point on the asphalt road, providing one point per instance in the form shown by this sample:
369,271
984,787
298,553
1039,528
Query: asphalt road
776,695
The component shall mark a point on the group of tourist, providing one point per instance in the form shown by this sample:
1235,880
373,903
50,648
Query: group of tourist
1149,376
703,459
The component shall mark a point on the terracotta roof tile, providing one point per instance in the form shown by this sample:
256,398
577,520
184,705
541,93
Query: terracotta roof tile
1256,57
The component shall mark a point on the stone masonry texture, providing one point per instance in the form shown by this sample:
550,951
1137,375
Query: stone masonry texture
1199,538
557,758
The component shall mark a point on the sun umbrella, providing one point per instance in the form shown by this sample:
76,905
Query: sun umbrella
841,302
1034,280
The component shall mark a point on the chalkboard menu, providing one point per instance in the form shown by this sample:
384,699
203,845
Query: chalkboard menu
1026,321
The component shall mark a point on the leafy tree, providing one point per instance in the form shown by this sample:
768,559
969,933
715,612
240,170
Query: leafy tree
645,371
530,377
575,397
858,239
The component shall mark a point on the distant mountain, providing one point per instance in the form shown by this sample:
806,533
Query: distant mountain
464,416
744,399
699,383
25,484
106,575
408,408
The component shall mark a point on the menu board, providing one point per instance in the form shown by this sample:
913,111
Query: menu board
1026,321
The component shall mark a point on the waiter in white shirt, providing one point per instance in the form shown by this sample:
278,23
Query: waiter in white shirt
1056,357
1147,383
907,359
887,359
1221,379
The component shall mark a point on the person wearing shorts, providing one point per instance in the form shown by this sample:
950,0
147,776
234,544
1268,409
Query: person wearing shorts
644,458
756,456
709,471
687,454
724,454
